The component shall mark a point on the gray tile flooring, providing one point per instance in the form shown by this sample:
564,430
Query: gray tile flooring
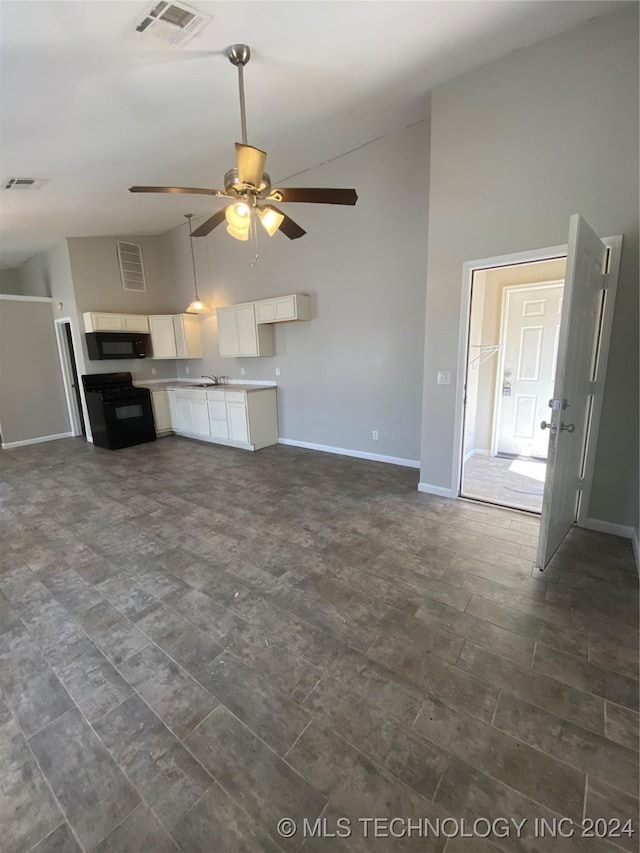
509,482
196,642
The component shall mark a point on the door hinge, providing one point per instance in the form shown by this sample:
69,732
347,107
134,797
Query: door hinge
590,387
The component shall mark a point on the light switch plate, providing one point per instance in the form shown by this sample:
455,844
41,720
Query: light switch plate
444,377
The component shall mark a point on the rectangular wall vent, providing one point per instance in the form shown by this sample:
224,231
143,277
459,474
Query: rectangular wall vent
131,267
23,183
173,22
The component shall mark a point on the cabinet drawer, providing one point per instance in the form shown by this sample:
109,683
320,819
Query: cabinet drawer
215,395
191,395
235,396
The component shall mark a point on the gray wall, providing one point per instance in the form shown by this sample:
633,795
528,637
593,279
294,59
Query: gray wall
10,282
516,148
357,365
32,401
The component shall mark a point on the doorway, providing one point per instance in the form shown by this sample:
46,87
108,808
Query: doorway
512,346
66,351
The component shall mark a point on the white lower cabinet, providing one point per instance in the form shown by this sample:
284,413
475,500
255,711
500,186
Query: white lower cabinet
161,412
237,418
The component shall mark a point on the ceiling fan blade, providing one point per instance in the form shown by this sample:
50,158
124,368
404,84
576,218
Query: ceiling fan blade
209,224
288,227
317,195
190,190
250,162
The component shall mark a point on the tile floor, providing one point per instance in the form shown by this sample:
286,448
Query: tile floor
510,482
196,642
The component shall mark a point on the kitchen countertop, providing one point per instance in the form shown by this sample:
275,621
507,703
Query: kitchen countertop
186,386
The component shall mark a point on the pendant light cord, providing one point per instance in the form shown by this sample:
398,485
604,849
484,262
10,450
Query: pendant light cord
193,257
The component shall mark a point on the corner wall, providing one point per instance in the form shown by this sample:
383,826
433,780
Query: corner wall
516,148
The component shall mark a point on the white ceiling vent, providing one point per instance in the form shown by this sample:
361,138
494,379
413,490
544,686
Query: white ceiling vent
131,267
23,183
174,22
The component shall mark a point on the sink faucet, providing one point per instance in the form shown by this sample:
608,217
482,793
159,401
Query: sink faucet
214,379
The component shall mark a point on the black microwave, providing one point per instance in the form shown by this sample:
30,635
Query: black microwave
109,345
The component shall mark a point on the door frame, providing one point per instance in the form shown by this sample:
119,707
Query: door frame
67,380
497,403
614,244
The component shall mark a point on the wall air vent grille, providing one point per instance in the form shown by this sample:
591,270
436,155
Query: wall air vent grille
175,23
131,267
23,183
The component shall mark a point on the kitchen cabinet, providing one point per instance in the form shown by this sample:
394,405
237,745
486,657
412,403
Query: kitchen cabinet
283,309
175,336
239,336
161,412
104,322
190,413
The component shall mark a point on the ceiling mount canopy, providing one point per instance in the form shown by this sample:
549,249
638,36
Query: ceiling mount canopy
249,186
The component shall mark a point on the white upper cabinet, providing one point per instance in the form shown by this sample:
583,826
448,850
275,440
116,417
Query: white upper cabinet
103,322
163,338
176,336
238,334
283,309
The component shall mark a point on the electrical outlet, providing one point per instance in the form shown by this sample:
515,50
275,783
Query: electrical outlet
153,371
186,370
443,377
374,435
242,371
277,371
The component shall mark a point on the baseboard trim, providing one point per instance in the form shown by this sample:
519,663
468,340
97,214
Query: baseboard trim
440,491
624,530
356,454
8,445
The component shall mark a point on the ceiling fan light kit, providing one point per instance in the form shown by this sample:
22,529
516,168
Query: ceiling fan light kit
249,186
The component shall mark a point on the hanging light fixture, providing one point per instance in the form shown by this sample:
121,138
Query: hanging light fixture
195,307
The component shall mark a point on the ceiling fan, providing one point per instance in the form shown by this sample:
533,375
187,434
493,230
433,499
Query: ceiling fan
249,186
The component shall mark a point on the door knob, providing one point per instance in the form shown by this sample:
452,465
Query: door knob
568,427
552,427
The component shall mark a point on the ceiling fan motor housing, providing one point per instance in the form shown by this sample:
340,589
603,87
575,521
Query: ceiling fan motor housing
232,184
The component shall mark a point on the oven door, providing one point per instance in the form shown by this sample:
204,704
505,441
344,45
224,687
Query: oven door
129,421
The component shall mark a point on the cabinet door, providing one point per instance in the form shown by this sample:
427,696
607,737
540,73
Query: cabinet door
227,332
184,415
265,311
161,414
218,419
188,336
247,332
285,308
237,420
135,323
107,322
163,339
200,417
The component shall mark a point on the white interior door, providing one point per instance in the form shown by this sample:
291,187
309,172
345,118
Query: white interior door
531,326
567,421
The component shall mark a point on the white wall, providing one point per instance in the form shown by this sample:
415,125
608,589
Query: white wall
357,365
10,282
516,148
32,401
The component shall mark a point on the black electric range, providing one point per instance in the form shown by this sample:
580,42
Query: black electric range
120,414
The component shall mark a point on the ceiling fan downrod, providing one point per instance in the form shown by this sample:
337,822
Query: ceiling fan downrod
239,55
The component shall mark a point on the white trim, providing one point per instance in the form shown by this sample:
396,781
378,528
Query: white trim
16,298
610,527
357,454
635,541
437,490
67,379
615,249
10,444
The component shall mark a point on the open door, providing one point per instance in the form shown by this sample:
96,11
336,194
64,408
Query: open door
576,367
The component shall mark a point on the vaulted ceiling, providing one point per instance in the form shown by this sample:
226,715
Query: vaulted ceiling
93,107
